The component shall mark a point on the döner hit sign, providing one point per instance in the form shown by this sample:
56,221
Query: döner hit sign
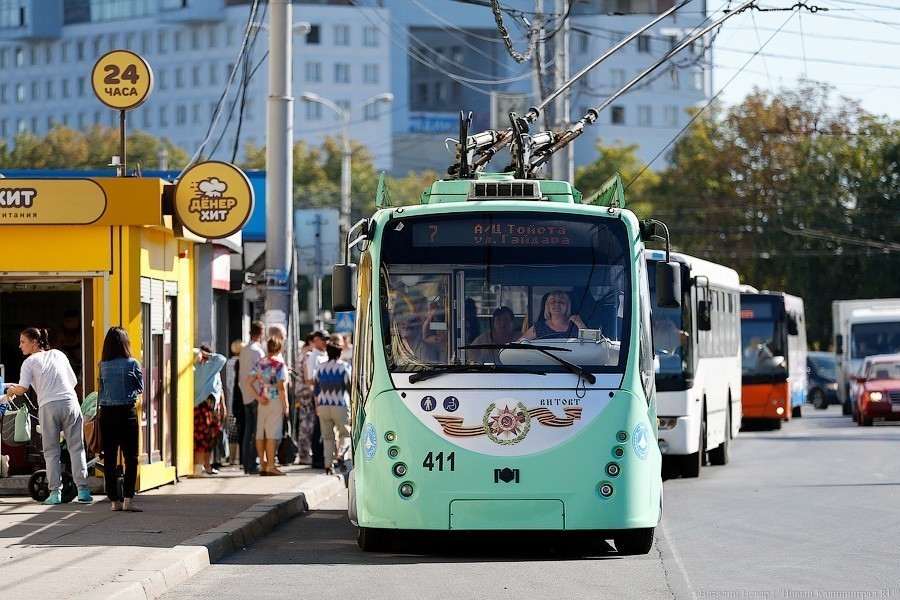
213,199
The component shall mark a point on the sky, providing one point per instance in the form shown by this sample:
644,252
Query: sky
852,46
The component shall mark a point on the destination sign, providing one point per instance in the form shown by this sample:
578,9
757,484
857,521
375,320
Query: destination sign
505,232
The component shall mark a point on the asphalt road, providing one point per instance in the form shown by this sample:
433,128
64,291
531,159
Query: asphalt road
811,511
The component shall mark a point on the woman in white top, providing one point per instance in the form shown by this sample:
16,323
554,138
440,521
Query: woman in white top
49,373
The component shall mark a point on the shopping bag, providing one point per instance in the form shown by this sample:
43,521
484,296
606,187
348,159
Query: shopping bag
89,406
23,426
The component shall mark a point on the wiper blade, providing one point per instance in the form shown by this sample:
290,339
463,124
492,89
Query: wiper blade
569,366
422,375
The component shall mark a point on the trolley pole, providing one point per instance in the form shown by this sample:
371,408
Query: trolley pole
279,167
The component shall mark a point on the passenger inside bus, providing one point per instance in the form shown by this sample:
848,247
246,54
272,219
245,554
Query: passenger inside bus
434,334
503,331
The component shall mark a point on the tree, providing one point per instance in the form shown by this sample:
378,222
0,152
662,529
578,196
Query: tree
795,191
623,160
65,148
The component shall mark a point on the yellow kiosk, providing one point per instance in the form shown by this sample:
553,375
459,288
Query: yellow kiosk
87,254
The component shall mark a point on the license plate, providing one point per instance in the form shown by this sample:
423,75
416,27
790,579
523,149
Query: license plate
895,408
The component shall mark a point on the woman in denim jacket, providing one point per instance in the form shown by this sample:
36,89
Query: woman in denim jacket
121,380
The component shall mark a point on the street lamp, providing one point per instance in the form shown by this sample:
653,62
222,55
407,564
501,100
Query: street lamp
344,115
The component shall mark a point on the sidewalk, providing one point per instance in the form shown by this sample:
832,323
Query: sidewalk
86,551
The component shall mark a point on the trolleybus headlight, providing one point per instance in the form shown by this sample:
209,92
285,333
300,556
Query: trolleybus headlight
393,451
390,436
406,490
622,437
612,469
875,396
618,451
780,410
606,490
400,470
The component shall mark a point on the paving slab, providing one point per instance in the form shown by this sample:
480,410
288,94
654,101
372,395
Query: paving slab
88,552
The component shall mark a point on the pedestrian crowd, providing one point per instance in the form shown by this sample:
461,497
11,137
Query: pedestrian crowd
246,408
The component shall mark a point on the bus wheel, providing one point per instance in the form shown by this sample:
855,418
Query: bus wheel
795,412
631,542
776,423
845,409
720,455
374,540
818,399
693,462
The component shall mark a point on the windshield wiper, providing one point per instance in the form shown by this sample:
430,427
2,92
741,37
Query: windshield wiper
422,375
569,366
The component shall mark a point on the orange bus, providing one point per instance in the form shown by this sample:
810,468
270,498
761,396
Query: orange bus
773,359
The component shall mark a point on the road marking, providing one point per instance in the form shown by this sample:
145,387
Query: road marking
668,548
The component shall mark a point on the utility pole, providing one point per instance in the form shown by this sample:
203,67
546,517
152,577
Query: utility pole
279,167
536,96
562,165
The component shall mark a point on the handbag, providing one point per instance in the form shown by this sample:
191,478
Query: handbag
93,439
287,447
22,432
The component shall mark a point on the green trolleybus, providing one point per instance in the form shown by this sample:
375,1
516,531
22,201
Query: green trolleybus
473,408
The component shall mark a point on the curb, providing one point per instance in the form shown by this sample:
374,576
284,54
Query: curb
168,568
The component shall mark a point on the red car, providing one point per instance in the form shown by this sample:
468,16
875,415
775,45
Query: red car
877,394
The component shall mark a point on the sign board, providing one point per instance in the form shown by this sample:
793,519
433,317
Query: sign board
277,280
213,199
51,201
433,122
344,322
503,103
122,79
316,234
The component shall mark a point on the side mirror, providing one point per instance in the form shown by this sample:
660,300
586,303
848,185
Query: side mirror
838,344
792,326
704,316
668,284
343,288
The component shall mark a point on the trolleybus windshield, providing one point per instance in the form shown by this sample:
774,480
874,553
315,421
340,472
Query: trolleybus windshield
465,289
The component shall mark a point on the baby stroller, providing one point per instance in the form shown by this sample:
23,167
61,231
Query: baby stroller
38,483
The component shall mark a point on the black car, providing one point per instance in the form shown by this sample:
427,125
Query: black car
821,388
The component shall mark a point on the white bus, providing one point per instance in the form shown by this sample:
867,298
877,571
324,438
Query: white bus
698,353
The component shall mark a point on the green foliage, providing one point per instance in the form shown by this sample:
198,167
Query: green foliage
797,192
66,148
639,183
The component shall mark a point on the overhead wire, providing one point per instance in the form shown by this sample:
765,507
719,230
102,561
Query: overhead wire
218,111
707,105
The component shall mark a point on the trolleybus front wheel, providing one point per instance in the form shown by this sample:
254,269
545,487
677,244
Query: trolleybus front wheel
374,540
631,542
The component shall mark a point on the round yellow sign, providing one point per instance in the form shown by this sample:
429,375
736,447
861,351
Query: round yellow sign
122,79
213,199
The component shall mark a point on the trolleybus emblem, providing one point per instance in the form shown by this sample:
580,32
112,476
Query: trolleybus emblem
370,441
640,440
